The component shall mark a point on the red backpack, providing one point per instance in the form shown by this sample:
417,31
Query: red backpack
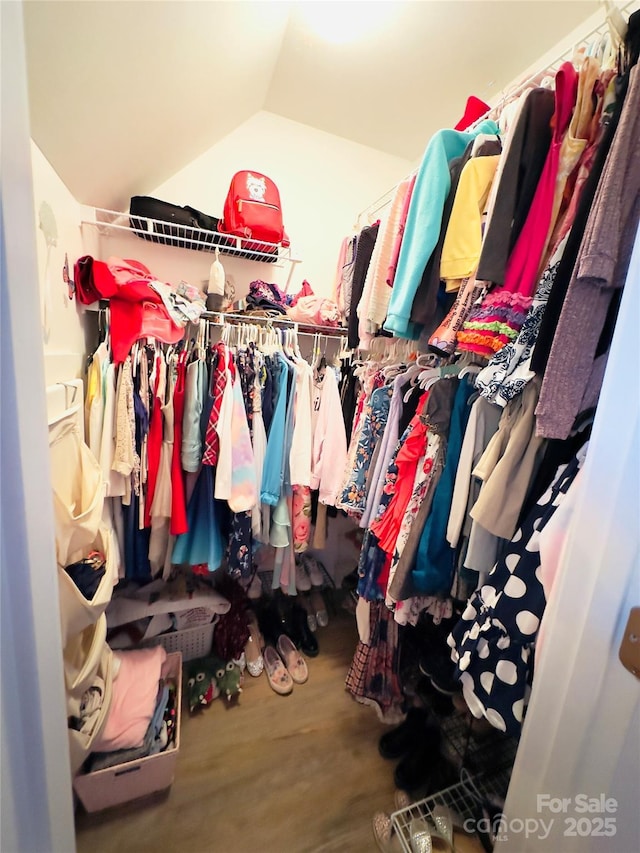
252,209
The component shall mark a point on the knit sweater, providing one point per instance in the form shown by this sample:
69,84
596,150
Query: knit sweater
423,222
601,269
556,299
372,308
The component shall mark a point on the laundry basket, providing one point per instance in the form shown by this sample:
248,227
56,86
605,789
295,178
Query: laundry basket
190,642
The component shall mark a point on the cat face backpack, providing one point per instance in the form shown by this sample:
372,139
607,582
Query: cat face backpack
252,209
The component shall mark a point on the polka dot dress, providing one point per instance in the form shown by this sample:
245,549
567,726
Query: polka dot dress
493,642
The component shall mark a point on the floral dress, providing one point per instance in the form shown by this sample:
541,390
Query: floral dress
354,494
420,486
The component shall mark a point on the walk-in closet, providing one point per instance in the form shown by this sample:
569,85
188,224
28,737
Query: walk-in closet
320,426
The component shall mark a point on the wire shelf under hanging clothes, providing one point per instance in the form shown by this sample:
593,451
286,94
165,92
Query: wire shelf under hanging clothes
467,744
266,579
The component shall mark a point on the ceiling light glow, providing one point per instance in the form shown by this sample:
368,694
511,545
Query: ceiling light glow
345,22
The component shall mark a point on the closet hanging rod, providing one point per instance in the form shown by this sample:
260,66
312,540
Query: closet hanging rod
219,318
504,97
382,201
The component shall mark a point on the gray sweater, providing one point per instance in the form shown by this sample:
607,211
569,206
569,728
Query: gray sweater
603,261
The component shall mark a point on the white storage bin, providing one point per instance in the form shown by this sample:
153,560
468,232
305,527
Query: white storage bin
124,782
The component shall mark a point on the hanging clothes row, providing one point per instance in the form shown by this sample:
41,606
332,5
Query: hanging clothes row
475,459
501,210
446,481
211,450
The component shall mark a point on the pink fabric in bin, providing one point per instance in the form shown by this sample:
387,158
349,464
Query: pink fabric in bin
135,691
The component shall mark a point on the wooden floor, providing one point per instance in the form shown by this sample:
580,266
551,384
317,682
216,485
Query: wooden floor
294,774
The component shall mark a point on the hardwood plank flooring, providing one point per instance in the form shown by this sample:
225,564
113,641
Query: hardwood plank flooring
294,774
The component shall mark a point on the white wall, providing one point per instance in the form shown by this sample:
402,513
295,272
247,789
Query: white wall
63,333
37,813
324,182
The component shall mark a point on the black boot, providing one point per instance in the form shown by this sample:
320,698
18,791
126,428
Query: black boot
301,635
403,738
418,767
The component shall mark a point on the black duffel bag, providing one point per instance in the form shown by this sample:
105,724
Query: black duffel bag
185,227
189,228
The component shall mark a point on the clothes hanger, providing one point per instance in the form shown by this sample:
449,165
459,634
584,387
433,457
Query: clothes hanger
473,369
296,345
616,22
428,359
426,376
322,359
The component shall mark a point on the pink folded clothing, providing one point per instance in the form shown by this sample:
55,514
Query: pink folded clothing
133,699
314,310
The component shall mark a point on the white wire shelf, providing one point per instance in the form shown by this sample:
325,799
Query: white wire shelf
186,237
463,799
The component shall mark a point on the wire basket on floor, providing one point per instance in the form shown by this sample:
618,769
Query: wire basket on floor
192,642
462,798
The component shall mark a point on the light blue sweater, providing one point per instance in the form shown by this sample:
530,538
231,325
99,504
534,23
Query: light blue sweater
273,466
422,229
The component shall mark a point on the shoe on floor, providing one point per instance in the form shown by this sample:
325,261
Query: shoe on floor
418,767
279,678
293,660
441,672
273,621
302,636
403,738
320,608
253,648
385,835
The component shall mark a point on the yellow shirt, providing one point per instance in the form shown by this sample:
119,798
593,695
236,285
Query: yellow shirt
463,240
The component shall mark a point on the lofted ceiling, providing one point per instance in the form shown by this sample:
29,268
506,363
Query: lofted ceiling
125,94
